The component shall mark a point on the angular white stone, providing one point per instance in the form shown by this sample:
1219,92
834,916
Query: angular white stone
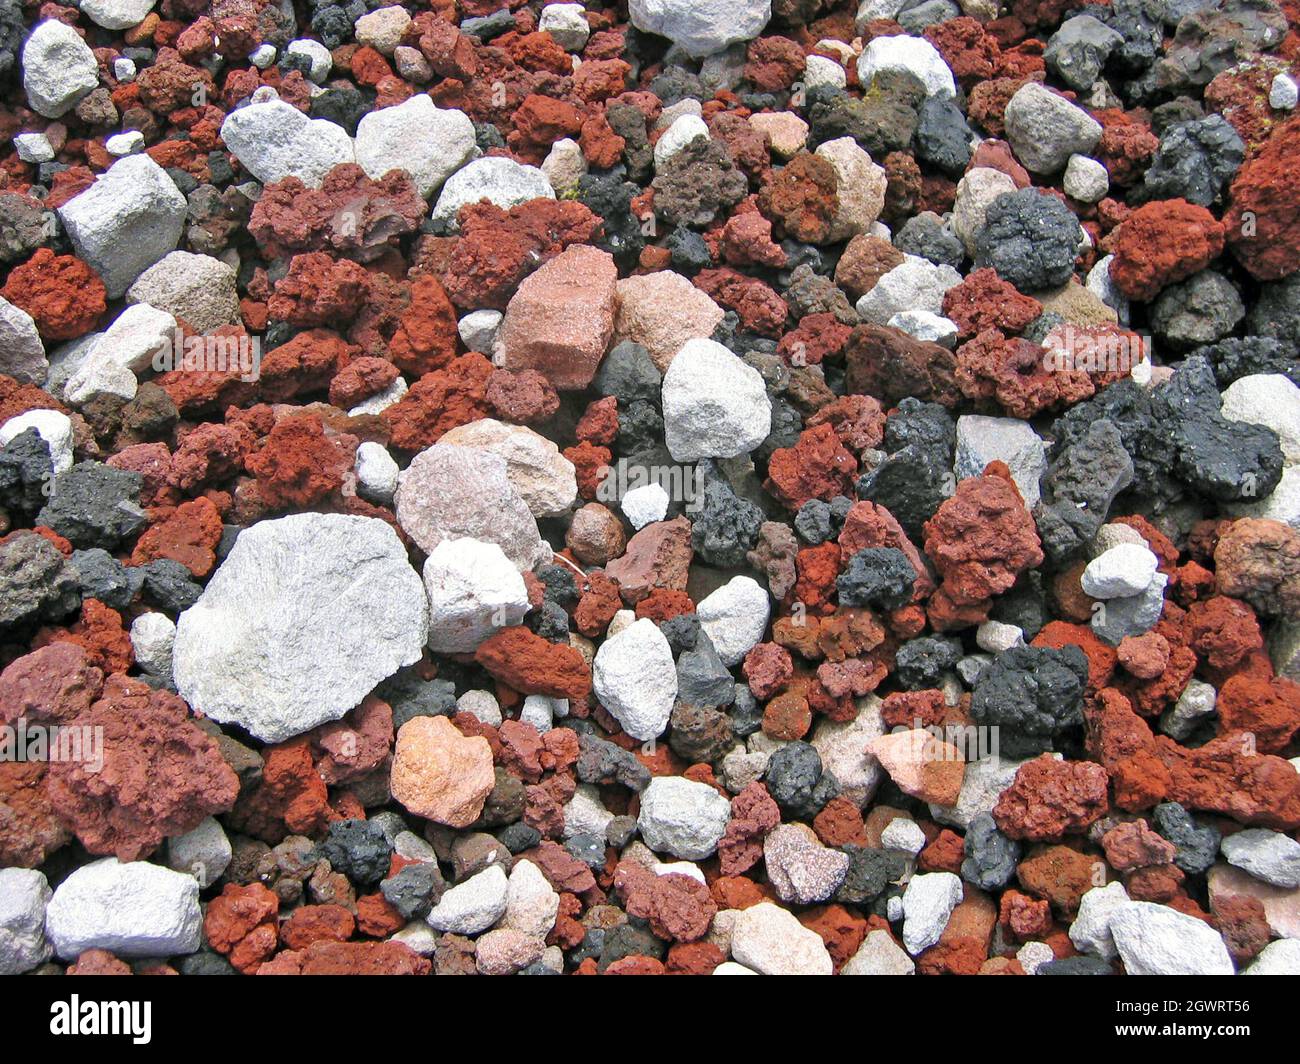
22,355
879,954
734,617
430,143
24,894
1267,855
842,746
531,903
701,27
197,288
928,901
501,181
685,129
377,472
203,853
1090,931
153,639
302,620
682,817
472,906
1157,940
544,478
274,140
567,23
915,55
117,14
634,677
770,941
981,440
58,68
474,590
1123,570
645,505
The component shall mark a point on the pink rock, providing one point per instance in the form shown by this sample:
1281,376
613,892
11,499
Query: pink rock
55,683
922,764
561,319
439,773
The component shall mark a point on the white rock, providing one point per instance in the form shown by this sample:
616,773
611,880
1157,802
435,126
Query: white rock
132,910
1283,94
377,472
734,617
1196,702
565,165
903,833
714,404
52,427
567,23
821,72
879,954
382,29
678,868
127,349
732,968
419,937
685,129
622,619
430,143
645,505
482,705
1086,180
126,221
531,903
914,284
540,711
474,590
1100,285
634,677
842,746
1157,940
860,191
916,56
22,355
1033,955
199,289
203,853
995,637
544,478
33,147
584,814
770,941
472,906
263,56
449,492
682,817
799,867
1090,931
1045,129
928,901
981,440
478,329
302,620
925,325
1269,399
122,144
273,140
1277,958
153,638
1124,570
58,68
124,70
117,14
316,54
501,181
701,27
24,894
1267,855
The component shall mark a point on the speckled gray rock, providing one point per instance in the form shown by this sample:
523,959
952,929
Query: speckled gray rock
448,492
928,901
203,853
153,639
531,903
126,221
472,906
58,68
701,27
22,355
682,817
430,143
1195,703
802,870
914,284
1157,940
714,405
301,621
1131,615
981,440
1267,855
24,894
634,677
136,909
771,941
274,140
196,288
1046,129
501,181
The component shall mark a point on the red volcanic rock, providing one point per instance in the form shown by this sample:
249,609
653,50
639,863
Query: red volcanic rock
426,336
801,200
349,214
290,800
747,241
561,319
1133,844
1243,923
857,420
1049,798
1125,149
753,814
355,746
359,380
240,923
498,249
1025,917
317,923
189,536
1020,376
348,958
1223,631
30,830
318,290
598,605
305,364
100,633
1258,560
966,47
773,63
865,260
816,338
1144,656
299,465
524,397
439,402
868,524
64,296
1163,242
528,663
984,301
767,668
539,122
678,908
160,775
1263,220
53,684
890,365
207,454
657,556
1268,709
816,467
99,962
761,310
979,540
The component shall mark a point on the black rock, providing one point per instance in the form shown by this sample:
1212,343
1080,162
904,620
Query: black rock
876,576
94,505
1197,843
358,849
942,136
702,678
36,582
797,782
414,890
991,857
1032,695
724,527
1195,161
169,586
1030,238
921,663
105,578
1080,485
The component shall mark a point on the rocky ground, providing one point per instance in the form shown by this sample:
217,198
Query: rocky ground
706,486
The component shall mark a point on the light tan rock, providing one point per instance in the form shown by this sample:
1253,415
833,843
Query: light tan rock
661,311
861,188
921,764
440,774
544,478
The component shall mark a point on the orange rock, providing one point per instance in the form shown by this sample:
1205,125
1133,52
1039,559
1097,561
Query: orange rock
440,774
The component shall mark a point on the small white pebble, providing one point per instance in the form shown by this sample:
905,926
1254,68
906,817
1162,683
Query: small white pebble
1284,94
33,147
123,144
